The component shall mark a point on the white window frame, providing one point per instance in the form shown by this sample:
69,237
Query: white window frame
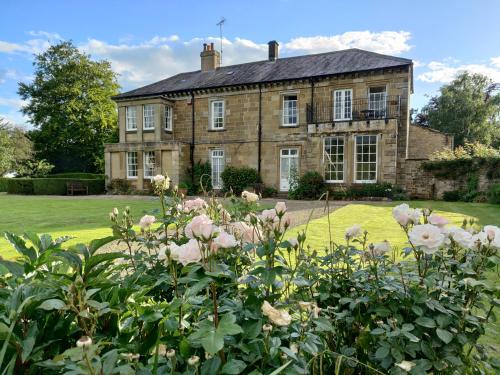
148,166
148,117
213,117
378,101
289,155
169,114
128,165
342,116
362,162
219,155
131,116
285,113
336,162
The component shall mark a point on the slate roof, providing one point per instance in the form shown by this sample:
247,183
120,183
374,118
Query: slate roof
282,69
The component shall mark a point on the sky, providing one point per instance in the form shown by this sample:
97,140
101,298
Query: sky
149,40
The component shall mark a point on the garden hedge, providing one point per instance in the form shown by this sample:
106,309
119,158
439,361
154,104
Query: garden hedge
3,184
78,175
51,186
238,179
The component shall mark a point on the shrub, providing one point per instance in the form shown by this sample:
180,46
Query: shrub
259,304
119,186
3,184
200,178
452,195
310,185
238,179
79,175
58,186
269,192
494,194
20,186
382,190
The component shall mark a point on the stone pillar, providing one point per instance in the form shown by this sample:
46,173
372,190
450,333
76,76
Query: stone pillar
140,168
122,123
159,123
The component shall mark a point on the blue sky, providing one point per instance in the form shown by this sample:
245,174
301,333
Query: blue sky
149,40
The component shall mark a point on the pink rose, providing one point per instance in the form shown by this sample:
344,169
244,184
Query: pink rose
246,232
200,227
268,215
224,240
280,208
437,220
194,205
146,221
188,253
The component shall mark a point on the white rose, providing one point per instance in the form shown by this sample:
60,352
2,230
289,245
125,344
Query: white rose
461,237
278,317
249,197
354,231
188,253
381,248
490,231
426,236
200,227
224,240
405,215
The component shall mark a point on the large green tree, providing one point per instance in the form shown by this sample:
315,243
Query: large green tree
468,108
70,107
15,148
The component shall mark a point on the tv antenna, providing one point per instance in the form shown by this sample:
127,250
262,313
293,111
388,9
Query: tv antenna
220,24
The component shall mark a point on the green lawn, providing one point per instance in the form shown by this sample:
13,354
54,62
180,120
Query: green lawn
83,218
377,219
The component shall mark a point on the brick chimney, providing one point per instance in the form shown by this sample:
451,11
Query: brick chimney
210,58
273,50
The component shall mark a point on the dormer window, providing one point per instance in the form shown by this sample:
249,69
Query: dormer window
168,118
217,115
290,110
131,118
149,117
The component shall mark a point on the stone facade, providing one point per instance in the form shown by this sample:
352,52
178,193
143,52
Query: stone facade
254,135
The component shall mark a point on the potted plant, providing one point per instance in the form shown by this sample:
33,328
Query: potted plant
183,188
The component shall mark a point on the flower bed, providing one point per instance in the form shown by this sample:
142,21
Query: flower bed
214,291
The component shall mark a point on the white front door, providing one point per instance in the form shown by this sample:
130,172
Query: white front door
289,166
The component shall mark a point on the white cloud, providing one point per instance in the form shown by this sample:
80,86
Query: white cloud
445,72
418,64
41,41
495,61
388,42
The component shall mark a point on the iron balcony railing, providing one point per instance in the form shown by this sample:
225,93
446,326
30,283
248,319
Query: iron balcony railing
371,108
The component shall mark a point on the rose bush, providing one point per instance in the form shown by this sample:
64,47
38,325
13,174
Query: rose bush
201,290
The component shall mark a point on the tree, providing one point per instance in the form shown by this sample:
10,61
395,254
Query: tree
70,107
15,148
468,108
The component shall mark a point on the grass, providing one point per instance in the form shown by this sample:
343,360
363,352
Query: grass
377,219
83,218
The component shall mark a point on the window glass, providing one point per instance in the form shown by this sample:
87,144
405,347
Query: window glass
334,159
366,158
290,110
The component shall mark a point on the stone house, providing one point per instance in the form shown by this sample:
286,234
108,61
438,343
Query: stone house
344,114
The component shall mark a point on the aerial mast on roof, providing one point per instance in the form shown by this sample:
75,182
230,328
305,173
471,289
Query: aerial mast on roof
220,24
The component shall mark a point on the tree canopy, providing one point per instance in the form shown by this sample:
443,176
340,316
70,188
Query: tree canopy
70,107
468,108
15,148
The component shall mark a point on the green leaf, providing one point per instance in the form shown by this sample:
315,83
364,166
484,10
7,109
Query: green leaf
411,336
377,331
97,259
233,367
280,369
323,325
227,326
211,366
425,322
99,242
444,335
382,352
212,342
53,304
29,342
20,245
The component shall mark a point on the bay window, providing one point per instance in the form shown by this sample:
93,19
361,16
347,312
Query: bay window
148,117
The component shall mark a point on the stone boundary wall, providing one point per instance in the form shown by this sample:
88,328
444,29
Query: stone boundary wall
422,184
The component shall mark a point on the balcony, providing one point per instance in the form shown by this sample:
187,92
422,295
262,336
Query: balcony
380,107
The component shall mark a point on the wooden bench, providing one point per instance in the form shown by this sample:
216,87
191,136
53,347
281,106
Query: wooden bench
76,187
